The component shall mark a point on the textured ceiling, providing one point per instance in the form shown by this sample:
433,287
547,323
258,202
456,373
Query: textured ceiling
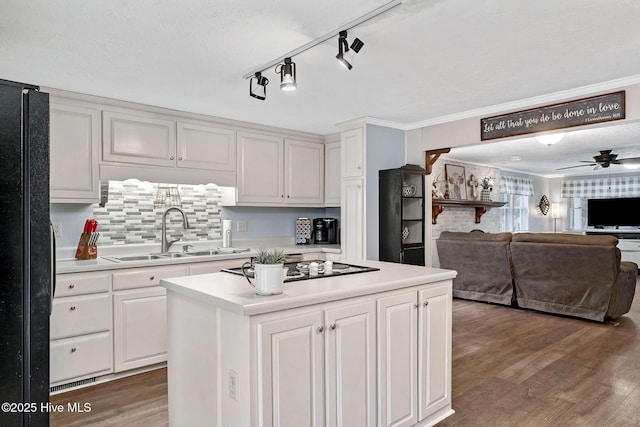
421,60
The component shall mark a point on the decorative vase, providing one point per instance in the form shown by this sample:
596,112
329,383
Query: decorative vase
485,195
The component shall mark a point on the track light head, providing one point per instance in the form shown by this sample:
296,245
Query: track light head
345,54
258,86
343,47
287,73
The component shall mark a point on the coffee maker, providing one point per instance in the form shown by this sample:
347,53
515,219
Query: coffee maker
325,231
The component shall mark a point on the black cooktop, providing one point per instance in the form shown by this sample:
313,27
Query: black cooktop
300,270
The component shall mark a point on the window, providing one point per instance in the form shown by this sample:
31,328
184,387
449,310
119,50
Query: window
577,213
515,214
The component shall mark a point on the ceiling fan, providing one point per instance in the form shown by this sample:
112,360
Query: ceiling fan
605,159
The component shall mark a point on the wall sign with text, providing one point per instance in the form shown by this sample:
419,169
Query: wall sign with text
581,112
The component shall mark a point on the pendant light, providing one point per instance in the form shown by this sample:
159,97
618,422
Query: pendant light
287,73
258,86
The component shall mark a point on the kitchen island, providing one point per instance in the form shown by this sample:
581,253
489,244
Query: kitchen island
364,349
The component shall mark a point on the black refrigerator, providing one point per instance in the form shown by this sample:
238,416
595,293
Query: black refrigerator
27,265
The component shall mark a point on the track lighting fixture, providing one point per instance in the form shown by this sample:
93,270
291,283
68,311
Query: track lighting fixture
258,86
287,73
345,54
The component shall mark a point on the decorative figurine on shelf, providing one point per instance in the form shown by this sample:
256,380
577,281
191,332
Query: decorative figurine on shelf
487,187
456,180
473,183
436,193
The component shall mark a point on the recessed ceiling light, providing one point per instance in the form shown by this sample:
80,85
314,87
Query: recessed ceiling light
516,158
550,138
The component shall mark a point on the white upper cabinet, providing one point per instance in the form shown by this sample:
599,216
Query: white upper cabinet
332,174
163,148
130,138
206,147
353,153
260,163
304,173
74,152
275,172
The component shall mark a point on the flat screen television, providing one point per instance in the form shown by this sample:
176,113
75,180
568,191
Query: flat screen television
613,212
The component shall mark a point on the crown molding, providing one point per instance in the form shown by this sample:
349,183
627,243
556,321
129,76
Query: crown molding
532,102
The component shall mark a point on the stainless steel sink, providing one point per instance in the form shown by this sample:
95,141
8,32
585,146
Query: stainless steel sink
136,257
173,255
149,257
207,252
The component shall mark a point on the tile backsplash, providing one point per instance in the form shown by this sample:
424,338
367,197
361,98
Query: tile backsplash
129,215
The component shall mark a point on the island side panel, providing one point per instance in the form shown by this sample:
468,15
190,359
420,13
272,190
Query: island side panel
203,341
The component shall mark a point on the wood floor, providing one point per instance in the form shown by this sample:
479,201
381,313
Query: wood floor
510,368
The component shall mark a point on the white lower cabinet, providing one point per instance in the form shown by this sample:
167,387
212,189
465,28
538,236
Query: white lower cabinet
398,352
139,328
434,351
318,367
375,360
80,331
80,357
140,316
290,382
109,321
414,333
350,360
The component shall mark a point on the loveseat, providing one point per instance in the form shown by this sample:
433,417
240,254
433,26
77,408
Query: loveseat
567,274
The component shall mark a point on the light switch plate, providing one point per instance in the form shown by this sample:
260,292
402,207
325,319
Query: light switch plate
242,225
57,229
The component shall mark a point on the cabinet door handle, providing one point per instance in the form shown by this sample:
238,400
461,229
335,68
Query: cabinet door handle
332,326
288,196
359,168
72,308
426,303
415,305
73,349
170,157
152,277
180,158
320,329
71,286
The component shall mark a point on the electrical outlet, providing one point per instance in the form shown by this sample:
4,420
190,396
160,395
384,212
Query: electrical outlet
242,225
57,229
233,384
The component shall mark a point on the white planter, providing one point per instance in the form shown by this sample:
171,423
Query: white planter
268,278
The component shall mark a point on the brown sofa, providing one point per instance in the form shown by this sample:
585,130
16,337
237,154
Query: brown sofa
567,274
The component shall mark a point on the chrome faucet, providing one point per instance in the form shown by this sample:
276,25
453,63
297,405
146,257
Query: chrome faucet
185,223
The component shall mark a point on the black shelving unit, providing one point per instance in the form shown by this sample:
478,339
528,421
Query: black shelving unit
401,215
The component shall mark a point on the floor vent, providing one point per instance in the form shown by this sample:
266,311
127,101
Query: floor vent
73,384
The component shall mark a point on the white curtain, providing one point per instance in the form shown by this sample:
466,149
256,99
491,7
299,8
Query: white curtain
516,185
625,186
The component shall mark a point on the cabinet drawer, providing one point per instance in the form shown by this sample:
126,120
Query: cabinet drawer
83,283
82,356
146,277
74,316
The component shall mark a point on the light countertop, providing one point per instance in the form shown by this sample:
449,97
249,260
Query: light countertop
71,265
233,293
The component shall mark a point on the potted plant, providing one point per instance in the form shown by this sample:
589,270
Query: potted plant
487,187
268,271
